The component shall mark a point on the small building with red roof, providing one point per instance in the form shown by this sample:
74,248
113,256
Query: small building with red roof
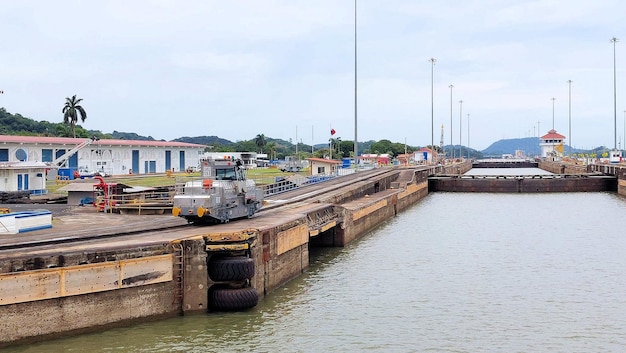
374,158
424,156
551,144
322,166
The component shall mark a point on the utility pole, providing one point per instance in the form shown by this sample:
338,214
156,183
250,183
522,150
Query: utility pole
432,103
356,143
451,143
460,129
569,83
614,40
468,138
553,99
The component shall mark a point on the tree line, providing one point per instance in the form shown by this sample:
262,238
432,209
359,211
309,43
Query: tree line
73,112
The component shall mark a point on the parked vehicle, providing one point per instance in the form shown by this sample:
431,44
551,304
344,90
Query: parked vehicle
220,194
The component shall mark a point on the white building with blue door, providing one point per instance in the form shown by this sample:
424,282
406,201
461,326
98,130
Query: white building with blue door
108,155
23,176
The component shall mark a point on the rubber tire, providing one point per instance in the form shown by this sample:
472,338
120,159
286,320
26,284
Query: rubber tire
224,269
232,299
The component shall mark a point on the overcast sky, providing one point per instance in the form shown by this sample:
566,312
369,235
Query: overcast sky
236,69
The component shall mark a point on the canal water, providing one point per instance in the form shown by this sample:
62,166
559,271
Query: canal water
457,272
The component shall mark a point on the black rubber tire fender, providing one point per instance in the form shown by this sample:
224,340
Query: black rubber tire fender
222,269
232,299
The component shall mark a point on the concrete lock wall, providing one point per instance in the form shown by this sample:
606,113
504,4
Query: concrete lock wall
523,184
49,302
562,168
617,170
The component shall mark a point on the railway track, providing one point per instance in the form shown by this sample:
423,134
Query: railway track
84,225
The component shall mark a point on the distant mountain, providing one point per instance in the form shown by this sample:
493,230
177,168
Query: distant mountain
130,136
529,145
205,140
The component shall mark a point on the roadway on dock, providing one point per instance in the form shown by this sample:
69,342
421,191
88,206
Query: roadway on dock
76,227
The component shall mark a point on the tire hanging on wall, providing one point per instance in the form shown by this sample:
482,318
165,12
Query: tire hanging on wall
232,299
222,269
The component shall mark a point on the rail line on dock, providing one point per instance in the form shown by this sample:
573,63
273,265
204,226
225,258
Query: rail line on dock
290,198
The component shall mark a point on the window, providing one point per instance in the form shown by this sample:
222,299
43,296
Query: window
46,155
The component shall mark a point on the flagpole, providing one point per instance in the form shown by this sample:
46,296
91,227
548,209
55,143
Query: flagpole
330,144
356,143
297,143
312,140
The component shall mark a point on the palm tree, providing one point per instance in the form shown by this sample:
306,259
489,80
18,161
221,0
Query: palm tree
71,111
260,141
271,146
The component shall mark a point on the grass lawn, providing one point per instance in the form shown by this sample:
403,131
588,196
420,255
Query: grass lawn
262,176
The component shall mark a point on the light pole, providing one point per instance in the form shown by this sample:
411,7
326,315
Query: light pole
432,103
451,144
468,138
553,99
614,40
356,144
624,145
569,83
460,128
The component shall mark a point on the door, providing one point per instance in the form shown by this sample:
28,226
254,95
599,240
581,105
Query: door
168,160
135,168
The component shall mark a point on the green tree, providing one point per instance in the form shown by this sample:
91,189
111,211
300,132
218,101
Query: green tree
71,112
382,146
260,142
271,147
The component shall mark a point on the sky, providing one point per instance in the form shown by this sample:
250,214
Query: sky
286,68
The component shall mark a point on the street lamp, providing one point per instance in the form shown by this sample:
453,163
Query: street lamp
460,128
451,144
553,99
468,138
356,144
569,83
614,40
432,103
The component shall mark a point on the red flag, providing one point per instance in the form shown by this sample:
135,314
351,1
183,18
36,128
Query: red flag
332,132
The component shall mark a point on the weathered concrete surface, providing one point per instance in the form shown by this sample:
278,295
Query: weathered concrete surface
49,318
523,184
563,168
617,170
194,276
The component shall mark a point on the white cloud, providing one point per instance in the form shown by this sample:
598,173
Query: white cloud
239,68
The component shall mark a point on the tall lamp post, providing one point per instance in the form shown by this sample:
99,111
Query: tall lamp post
614,40
468,138
356,144
451,144
569,83
553,99
432,103
460,128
